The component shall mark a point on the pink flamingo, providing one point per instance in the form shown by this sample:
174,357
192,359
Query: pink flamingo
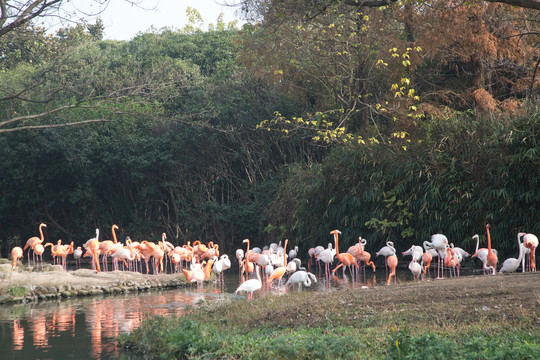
33,241
345,259
530,241
16,254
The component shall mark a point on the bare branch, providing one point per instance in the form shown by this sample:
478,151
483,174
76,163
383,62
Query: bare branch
528,4
34,127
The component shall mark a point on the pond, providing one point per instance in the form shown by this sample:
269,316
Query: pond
86,328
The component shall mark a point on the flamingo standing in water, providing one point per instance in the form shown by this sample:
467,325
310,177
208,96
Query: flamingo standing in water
251,285
327,257
345,259
530,241
364,256
33,241
300,278
16,254
278,272
511,264
386,251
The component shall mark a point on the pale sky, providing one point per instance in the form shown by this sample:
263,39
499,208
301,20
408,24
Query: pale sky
123,20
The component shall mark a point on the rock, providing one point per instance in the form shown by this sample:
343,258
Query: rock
5,299
5,268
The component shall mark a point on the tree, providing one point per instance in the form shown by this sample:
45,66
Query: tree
33,57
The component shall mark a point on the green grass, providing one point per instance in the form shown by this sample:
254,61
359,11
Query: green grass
17,291
431,320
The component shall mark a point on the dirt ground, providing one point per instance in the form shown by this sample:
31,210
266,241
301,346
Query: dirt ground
511,295
78,279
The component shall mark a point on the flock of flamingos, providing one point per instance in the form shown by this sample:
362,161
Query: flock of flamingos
197,261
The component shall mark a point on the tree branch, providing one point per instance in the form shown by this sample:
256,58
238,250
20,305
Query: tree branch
528,4
34,127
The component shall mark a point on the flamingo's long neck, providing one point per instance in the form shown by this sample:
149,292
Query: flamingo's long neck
285,253
520,247
258,274
477,242
336,240
489,239
246,261
41,232
114,234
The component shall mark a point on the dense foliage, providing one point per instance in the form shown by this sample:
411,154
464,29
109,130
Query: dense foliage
375,123
465,172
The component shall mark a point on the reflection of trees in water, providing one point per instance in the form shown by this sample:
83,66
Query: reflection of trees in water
101,320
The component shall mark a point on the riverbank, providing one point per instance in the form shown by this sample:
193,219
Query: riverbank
475,317
52,283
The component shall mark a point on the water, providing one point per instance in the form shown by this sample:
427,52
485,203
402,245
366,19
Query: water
86,328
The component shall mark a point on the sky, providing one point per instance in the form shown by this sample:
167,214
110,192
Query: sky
123,20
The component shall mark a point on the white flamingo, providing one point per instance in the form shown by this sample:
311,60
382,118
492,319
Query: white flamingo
439,242
300,278
511,264
251,285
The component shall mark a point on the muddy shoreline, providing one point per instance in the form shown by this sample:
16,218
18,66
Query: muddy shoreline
53,283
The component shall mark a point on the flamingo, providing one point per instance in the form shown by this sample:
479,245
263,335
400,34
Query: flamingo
77,253
530,241
195,274
491,259
392,261
16,254
415,251
525,262
511,264
34,240
251,285
386,251
345,259
459,252
426,258
106,247
293,265
219,266
124,254
293,253
92,247
247,266
364,256
240,258
451,262
39,249
278,272
482,253
327,257
438,242
301,277
416,269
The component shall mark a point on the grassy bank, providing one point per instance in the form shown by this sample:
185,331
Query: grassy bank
477,317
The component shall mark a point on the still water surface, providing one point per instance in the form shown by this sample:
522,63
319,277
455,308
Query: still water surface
86,328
